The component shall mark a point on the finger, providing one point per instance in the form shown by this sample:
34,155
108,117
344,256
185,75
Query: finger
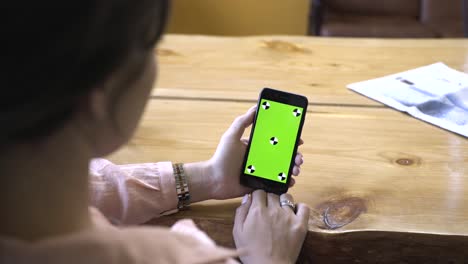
242,211
299,159
296,170
292,182
287,197
273,200
259,198
303,212
241,123
301,141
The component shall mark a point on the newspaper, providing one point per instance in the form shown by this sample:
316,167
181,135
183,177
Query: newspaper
435,93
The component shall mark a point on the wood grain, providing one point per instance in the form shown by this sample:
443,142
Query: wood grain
368,172
237,68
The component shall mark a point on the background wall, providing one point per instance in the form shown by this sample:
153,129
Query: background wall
239,17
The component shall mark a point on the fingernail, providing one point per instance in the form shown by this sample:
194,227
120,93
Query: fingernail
245,199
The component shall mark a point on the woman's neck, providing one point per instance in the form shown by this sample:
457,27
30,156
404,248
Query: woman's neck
44,190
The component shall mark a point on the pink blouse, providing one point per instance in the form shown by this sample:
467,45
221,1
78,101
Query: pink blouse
125,194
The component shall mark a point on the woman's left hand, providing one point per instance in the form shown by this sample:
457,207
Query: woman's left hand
224,167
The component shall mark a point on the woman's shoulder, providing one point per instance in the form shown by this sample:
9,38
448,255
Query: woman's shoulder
184,242
145,244
109,244
180,245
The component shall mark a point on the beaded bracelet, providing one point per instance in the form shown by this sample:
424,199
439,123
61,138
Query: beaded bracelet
183,193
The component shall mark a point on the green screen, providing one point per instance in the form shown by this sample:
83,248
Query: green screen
273,140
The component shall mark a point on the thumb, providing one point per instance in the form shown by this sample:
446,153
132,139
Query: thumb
239,125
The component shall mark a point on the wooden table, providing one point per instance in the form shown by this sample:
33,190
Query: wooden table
385,187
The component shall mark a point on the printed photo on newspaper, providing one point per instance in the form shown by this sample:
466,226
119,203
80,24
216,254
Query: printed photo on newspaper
435,93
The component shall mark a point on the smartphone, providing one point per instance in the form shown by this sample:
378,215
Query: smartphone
274,139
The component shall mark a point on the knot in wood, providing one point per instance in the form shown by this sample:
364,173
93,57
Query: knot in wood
337,213
405,162
285,46
166,52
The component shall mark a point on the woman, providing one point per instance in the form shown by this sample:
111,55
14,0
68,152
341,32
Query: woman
75,78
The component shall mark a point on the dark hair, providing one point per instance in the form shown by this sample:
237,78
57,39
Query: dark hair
55,52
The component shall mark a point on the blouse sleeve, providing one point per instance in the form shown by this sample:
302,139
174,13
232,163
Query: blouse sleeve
132,193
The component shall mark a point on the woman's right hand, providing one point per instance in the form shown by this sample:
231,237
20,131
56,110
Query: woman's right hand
270,233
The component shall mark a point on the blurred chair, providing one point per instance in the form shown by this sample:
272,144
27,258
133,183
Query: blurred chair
388,18
446,18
